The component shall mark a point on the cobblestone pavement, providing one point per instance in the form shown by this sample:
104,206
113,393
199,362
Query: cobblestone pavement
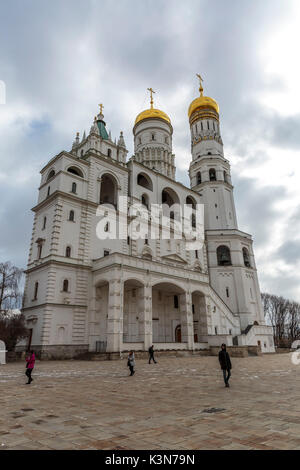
178,403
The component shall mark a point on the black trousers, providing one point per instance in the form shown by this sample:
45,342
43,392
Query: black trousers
151,356
28,373
131,370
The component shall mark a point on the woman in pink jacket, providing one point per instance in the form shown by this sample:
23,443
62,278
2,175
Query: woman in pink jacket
30,360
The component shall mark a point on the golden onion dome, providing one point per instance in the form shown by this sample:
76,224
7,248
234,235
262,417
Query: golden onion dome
202,102
152,113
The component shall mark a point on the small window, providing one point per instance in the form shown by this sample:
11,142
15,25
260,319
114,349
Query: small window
201,126
74,186
44,223
196,254
106,228
152,136
216,330
208,125
230,331
214,126
146,241
128,240
109,152
36,288
40,247
193,220
71,216
216,205
106,253
198,177
66,285
227,292
175,301
68,252
193,308
48,192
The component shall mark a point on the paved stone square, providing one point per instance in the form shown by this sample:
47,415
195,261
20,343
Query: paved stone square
178,403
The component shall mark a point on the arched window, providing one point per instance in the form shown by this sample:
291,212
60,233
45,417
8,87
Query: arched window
106,227
212,175
36,288
74,186
199,177
44,223
71,216
65,285
51,174
171,203
109,152
68,252
223,256
75,171
145,181
246,258
109,190
191,202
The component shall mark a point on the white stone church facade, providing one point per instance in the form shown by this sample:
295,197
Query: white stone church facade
83,293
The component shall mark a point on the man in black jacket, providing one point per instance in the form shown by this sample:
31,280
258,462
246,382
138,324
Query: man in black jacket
151,354
225,364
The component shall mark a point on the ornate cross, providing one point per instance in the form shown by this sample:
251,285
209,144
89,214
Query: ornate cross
101,107
151,97
200,80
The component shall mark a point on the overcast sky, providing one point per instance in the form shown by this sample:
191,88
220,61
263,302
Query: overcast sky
59,59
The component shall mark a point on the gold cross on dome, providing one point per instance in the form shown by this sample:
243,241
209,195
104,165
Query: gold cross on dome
151,97
200,80
101,108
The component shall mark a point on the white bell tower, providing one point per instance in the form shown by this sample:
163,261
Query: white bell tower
230,256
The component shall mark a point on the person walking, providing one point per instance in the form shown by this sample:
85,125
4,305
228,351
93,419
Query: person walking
30,361
225,364
131,362
151,354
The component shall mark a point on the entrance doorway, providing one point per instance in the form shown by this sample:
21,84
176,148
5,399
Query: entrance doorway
178,334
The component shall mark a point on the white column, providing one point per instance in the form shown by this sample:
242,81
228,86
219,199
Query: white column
145,315
186,319
115,315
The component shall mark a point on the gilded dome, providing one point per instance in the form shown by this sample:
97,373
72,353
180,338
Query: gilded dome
152,113
203,102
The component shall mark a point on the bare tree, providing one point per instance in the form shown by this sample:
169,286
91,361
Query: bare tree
284,316
10,294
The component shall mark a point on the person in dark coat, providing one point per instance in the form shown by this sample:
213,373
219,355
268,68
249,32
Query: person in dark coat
225,364
151,354
30,361
131,362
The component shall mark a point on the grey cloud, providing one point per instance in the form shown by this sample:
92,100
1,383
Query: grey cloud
290,251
